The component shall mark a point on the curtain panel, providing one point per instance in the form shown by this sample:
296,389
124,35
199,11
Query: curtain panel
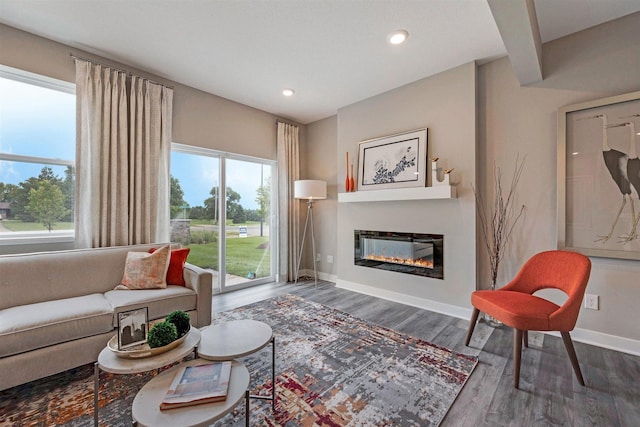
288,207
122,158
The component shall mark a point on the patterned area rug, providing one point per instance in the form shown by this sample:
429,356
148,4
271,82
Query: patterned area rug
332,370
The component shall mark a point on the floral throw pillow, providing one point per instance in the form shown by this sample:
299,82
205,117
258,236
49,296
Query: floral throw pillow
143,270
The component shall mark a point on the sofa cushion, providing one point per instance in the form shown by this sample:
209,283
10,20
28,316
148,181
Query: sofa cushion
143,270
160,302
28,327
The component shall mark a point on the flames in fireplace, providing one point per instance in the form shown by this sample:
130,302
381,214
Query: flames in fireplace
424,263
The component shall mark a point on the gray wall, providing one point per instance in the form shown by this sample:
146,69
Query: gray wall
592,64
511,120
200,119
446,105
321,164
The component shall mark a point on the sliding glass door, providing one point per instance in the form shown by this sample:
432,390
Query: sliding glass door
221,208
247,243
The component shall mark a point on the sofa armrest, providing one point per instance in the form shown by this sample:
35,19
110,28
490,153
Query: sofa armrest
201,281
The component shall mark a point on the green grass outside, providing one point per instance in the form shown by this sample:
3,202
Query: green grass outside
16,225
243,256
198,222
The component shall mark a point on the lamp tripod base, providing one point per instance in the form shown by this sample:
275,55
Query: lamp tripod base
313,245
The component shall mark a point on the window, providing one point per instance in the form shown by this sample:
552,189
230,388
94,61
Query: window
222,209
37,158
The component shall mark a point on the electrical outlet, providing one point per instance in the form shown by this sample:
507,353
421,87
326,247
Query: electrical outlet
330,259
318,257
591,301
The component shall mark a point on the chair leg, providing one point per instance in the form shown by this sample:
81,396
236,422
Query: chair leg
525,338
472,325
517,353
568,343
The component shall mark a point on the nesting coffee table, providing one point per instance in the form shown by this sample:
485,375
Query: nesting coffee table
239,338
109,362
146,405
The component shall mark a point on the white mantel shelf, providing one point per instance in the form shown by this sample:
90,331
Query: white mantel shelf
414,193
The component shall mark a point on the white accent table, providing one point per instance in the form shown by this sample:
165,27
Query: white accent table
146,405
239,338
109,362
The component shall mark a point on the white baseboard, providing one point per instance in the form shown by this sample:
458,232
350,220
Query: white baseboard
321,276
601,339
328,277
438,307
586,336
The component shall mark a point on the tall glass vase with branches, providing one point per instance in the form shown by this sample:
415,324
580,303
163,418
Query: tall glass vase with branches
498,219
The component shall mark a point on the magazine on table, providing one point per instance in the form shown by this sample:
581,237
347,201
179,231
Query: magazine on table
198,384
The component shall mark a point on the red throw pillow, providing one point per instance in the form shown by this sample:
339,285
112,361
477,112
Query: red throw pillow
176,266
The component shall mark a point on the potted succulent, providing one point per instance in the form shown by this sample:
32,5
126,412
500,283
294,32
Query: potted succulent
181,320
162,333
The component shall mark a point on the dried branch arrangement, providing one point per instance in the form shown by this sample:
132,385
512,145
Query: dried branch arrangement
498,220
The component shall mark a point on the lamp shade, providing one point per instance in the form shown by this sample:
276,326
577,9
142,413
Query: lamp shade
310,189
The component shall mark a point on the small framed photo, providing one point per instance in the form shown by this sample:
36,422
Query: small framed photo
395,161
132,328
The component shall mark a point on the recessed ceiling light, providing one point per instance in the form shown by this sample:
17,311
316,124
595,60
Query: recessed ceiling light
398,36
288,92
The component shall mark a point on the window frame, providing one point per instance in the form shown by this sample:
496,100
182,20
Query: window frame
46,82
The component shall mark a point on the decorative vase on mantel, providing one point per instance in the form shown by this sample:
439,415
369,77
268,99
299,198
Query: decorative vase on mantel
490,320
347,181
352,183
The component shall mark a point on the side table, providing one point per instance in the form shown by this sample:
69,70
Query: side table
146,405
109,362
239,338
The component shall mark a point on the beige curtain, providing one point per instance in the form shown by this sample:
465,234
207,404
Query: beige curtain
149,151
122,158
288,207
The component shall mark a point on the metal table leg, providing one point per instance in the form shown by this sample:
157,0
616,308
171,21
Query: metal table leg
96,384
246,408
273,374
272,398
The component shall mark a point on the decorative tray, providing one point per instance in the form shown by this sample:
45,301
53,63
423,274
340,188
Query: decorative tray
143,350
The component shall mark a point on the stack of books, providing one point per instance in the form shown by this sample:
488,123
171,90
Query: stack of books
198,384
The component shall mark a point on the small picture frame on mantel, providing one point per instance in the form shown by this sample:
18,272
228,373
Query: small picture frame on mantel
132,328
396,161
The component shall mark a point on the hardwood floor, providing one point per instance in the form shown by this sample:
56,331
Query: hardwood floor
549,394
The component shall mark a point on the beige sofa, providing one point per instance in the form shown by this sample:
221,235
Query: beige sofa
58,309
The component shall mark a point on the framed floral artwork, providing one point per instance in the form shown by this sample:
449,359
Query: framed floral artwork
395,161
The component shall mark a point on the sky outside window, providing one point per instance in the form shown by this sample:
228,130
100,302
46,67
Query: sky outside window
38,121
198,174
34,121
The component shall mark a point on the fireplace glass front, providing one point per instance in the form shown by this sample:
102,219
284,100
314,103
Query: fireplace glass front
410,253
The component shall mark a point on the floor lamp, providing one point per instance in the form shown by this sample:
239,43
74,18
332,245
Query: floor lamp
309,190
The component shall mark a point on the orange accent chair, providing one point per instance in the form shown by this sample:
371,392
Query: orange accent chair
517,307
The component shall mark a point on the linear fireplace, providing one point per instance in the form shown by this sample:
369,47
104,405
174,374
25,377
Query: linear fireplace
410,253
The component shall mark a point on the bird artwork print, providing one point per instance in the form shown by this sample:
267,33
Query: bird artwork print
633,175
616,163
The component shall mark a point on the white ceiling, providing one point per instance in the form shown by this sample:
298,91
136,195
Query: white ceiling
332,52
